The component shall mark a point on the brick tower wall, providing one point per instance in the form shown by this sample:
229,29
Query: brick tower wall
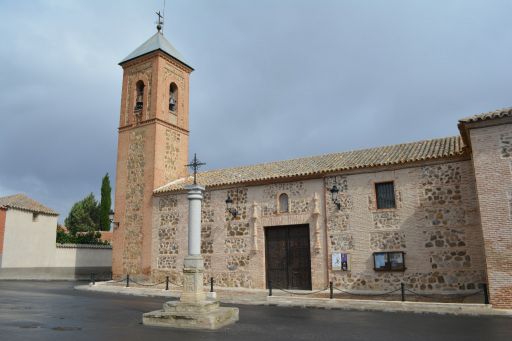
492,158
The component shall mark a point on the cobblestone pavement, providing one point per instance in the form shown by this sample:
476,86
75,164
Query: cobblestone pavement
55,311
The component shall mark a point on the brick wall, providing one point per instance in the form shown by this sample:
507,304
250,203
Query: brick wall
492,160
152,150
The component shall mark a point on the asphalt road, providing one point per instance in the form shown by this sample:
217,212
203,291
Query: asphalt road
55,311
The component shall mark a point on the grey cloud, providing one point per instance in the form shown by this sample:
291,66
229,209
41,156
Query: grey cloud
273,80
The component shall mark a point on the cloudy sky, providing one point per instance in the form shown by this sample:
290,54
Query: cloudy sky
273,79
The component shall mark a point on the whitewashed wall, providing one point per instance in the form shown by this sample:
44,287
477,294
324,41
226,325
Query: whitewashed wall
30,251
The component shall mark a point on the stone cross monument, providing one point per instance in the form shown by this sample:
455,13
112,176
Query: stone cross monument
193,310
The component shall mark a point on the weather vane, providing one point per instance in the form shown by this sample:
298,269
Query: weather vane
160,21
195,164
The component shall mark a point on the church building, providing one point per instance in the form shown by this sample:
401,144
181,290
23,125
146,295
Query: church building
435,215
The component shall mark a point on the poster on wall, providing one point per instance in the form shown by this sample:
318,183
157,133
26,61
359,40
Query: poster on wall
344,261
336,261
339,261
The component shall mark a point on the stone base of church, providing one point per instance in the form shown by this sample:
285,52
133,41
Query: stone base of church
200,315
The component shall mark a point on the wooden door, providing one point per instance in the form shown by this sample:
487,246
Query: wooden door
288,258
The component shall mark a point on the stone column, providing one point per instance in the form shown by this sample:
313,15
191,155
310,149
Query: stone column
193,266
193,310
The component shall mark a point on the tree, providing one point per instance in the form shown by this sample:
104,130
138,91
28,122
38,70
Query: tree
105,203
84,216
91,237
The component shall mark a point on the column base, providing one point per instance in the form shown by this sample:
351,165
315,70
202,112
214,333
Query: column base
198,315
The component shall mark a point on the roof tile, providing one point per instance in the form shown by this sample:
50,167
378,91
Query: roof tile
22,202
373,157
499,113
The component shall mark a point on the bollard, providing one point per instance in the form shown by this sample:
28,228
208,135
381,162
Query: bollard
331,295
127,281
486,293
269,287
111,276
93,280
166,282
402,288
211,284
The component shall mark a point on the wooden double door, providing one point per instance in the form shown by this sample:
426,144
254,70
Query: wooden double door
288,258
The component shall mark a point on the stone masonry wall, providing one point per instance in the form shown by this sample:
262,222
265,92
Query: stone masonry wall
132,252
233,247
435,223
492,159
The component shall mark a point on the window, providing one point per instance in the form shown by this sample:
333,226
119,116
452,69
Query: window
283,203
173,97
389,261
385,193
35,217
139,101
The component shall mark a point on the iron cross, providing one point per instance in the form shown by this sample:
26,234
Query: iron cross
160,17
195,164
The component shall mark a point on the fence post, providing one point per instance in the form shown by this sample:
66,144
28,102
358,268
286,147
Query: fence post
211,284
270,287
166,282
127,280
330,290
402,289
486,293
93,280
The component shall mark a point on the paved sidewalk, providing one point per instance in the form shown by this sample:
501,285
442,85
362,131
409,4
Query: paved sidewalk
259,297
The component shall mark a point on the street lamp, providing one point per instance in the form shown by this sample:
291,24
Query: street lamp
230,208
111,219
334,196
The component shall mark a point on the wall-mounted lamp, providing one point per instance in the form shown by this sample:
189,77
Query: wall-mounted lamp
113,225
230,208
334,196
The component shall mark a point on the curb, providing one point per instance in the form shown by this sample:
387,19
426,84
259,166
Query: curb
467,309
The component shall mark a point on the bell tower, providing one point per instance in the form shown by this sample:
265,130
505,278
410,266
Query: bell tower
152,145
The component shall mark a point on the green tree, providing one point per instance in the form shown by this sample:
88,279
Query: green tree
84,216
91,237
105,203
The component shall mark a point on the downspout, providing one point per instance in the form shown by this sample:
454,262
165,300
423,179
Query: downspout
326,238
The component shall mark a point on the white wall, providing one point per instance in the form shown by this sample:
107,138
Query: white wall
30,251
28,243
82,256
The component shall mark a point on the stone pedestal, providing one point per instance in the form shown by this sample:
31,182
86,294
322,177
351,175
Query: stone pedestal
193,310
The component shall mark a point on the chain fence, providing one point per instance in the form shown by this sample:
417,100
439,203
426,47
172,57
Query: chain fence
402,289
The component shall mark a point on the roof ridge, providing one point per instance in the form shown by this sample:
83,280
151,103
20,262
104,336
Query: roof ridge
489,115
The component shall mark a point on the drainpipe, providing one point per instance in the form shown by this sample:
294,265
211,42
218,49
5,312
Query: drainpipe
326,237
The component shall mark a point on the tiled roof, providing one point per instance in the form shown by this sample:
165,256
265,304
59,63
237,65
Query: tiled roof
22,202
317,165
500,113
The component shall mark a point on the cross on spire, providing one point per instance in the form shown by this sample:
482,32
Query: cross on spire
195,164
160,21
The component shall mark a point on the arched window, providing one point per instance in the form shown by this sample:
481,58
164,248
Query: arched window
283,203
173,97
139,102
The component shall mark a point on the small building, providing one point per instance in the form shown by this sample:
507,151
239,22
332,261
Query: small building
28,249
435,215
